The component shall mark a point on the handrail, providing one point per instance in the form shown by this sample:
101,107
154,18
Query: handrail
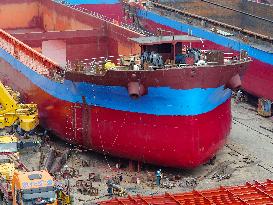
105,18
16,47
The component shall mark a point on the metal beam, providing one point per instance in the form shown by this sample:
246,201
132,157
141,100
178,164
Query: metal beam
59,35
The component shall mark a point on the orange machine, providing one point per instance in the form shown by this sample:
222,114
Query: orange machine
33,188
27,188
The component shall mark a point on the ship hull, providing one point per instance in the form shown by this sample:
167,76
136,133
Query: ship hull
185,137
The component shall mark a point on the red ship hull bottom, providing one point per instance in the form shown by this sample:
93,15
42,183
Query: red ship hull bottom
175,141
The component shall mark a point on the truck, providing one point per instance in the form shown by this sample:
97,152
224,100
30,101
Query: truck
28,188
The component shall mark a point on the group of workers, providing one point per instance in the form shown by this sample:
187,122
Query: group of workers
197,57
152,58
187,56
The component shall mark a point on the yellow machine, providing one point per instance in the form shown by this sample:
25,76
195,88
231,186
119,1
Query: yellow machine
11,111
8,144
7,168
64,198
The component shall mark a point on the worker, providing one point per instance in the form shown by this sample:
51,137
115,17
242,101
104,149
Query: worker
239,96
109,184
267,105
120,177
180,58
158,177
202,60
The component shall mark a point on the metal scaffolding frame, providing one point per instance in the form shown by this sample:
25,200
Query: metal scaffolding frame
248,194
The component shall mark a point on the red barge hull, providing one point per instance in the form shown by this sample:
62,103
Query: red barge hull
175,135
190,139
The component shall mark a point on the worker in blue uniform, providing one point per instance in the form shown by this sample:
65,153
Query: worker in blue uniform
158,177
109,184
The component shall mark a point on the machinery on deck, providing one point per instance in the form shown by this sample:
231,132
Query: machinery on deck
11,111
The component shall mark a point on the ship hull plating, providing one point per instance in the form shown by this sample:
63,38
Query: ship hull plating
186,139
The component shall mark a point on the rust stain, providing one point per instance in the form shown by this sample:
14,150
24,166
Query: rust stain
25,12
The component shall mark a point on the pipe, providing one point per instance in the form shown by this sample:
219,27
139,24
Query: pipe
136,90
50,158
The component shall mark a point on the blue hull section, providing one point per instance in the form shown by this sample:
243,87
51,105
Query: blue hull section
77,2
158,101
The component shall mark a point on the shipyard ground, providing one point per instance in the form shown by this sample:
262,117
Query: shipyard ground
246,157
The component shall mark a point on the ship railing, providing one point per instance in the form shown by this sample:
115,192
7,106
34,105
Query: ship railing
29,57
105,18
90,65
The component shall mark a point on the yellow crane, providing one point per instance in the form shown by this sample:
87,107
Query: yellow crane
11,111
22,187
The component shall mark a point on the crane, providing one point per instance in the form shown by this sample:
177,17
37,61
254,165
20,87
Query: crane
11,111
